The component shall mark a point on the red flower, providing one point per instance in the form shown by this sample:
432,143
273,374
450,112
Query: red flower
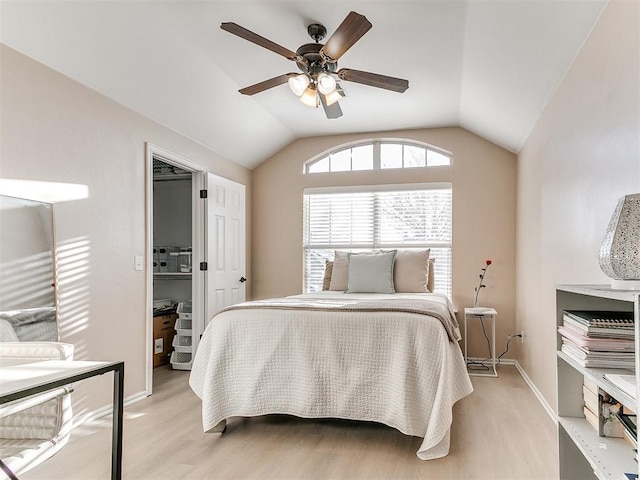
481,284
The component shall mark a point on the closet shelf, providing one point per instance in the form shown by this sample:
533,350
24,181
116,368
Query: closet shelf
172,276
171,176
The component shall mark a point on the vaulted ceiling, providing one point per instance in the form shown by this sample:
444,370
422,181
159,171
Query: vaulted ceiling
488,66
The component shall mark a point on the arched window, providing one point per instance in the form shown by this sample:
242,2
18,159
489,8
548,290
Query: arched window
378,155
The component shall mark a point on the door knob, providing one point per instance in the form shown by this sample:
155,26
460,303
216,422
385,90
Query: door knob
242,279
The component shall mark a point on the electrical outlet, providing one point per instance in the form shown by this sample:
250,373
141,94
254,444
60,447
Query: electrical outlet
521,337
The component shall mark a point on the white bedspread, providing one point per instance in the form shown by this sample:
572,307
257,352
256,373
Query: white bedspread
399,369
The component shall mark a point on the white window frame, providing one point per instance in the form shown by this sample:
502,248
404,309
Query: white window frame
376,143
443,270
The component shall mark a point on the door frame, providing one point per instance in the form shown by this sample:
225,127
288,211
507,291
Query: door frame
197,234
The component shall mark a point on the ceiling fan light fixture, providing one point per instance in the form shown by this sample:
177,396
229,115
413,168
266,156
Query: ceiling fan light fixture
326,84
333,97
310,97
298,84
319,81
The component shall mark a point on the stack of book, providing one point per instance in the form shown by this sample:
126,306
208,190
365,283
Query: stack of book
591,403
626,383
600,339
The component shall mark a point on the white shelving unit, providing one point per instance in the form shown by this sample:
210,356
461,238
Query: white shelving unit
182,355
582,452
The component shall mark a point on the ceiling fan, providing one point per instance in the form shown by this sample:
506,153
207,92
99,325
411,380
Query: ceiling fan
318,82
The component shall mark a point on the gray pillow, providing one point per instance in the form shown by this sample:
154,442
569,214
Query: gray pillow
371,273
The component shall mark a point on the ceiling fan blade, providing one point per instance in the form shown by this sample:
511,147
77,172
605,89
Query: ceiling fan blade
267,84
352,28
257,39
373,79
331,111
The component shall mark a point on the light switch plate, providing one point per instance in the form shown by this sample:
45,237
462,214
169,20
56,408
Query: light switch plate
138,262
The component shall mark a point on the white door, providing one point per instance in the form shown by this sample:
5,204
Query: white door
226,219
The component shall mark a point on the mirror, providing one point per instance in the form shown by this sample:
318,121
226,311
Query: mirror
27,271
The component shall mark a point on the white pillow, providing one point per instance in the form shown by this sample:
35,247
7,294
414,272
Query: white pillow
411,270
371,273
340,273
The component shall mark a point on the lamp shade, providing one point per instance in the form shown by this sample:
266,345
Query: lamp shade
310,97
326,84
620,249
333,97
298,84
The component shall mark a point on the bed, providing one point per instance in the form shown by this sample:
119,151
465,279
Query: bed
391,358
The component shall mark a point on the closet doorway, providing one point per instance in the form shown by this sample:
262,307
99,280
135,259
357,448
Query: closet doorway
196,234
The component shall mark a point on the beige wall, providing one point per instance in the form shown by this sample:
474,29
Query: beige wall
56,130
583,154
484,193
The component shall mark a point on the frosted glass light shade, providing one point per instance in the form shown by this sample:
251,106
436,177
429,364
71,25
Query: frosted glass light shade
326,84
309,97
620,249
332,97
298,84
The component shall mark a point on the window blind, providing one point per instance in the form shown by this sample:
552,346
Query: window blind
385,217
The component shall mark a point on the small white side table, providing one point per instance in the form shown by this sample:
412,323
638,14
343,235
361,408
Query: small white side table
482,313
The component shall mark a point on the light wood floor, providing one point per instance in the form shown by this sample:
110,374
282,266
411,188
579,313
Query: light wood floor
499,432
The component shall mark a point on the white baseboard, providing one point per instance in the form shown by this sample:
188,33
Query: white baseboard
106,410
537,393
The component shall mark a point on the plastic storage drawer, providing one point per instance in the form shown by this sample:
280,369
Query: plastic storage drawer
181,360
183,324
182,343
184,310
